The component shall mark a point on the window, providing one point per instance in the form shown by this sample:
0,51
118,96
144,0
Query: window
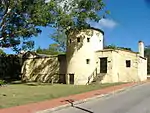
87,61
78,39
128,63
103,65
88,39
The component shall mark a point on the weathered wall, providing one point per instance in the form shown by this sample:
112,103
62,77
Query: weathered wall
107,77
41,69
115,66
10,67
126,74
78,52
142,68
117,70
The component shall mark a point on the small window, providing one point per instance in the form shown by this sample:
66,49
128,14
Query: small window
78,39
87,61
128,63
88,39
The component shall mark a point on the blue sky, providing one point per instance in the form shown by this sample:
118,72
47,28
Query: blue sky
132,18
128,23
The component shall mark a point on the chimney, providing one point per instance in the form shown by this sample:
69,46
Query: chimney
141,48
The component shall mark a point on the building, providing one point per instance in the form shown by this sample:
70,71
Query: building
86,61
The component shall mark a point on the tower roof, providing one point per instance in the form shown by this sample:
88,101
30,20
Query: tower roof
97,29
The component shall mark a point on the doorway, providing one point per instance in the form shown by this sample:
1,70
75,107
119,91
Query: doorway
71,78
103,65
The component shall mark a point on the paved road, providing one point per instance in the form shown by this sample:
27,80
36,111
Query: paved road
136,100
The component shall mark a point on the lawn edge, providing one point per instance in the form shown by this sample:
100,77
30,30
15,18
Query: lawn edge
50,110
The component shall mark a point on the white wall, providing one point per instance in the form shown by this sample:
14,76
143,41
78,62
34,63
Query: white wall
142,68
77,53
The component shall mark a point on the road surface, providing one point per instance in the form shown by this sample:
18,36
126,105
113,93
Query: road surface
135,100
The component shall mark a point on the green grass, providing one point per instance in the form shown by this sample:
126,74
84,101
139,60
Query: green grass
19,94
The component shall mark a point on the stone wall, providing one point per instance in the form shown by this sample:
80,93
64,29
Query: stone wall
32,67
142,68
117,69
124,73
40,69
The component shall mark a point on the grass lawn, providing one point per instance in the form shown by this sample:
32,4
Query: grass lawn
18,94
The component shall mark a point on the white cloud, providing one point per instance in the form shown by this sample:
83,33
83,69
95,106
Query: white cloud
103,23
108,23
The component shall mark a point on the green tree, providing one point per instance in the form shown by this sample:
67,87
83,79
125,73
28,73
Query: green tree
115,47
21,19
2,52
147,54
110,46
53,49
60,38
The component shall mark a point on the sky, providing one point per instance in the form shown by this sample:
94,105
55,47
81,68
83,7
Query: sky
128,23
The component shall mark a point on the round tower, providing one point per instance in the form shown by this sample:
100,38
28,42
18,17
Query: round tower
81,48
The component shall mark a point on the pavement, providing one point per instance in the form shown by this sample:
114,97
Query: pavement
65,102
136,100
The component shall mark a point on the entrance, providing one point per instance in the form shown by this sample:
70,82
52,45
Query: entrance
103,65
71,78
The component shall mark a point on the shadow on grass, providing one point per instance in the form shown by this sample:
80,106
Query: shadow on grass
16,82
77,107
24,83
31,84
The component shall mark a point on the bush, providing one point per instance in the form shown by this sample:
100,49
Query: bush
2,82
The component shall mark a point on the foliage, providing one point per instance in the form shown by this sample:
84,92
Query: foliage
53,49
2,52
147,54
110,47
10,67
74,14
60,38
21,19
115,47
2,82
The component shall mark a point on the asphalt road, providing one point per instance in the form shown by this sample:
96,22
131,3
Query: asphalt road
135,100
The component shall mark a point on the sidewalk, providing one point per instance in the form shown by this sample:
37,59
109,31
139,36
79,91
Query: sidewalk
65,101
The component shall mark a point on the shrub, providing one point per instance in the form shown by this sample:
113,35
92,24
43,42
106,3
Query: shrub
2,82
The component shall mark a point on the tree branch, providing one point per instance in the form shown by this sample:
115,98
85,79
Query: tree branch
6,13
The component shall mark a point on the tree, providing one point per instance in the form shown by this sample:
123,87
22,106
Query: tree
115,47
147,54
53,49
110,47
60,38
2,52
21,19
